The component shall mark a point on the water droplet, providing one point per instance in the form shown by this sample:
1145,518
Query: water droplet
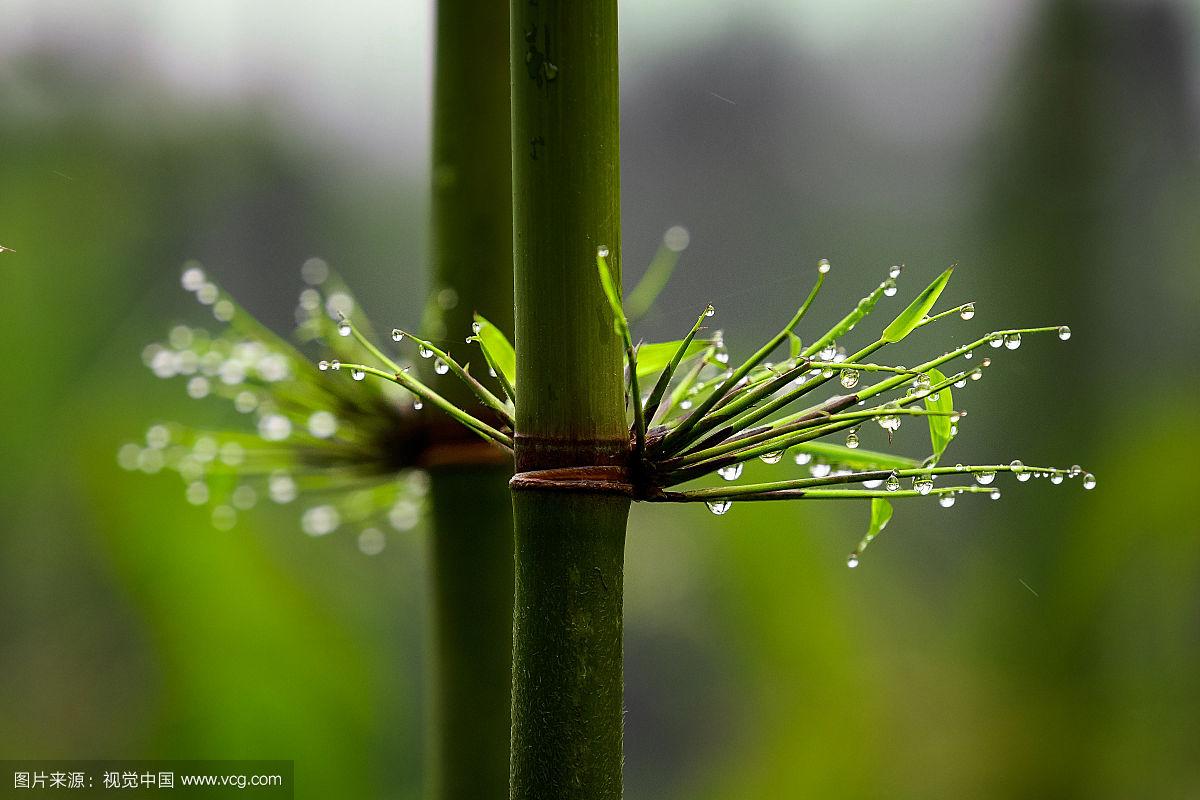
875,484
224,518
852,561
774,457
441,367
322,365
889,422
476,327
958,467
803,458
371,542
274,427
967,311
719,507
1089,481
996,340
946,500
732,472
197,387
418,405
849,378
994,494
357,374
852,440
709,310
1056,478
197,493
602,251
322,424
960,384
344,328
921,382
244,498
823,266
985,477
398,335
976,376
1075,471
829,352
320,520
1064,333
889,288
895,271
819,469
892,484
968,355
1012,341
424,352
281,488
193,278
335,365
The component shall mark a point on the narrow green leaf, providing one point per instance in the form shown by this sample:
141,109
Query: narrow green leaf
795,346
881,515
611,291
939,426
499,350
856,458
654,358
910,317
641,299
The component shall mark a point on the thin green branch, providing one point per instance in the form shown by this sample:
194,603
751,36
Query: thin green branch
677,437
478,389
402,378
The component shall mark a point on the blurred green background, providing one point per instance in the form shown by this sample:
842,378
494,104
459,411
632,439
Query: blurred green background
1044,646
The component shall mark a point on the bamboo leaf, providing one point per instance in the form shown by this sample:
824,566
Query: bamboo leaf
499,350
940,425
911,317
654,358
611,291
856,458
641,299
795,346
881,515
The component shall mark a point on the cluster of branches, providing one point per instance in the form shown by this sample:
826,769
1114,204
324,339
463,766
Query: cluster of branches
702,416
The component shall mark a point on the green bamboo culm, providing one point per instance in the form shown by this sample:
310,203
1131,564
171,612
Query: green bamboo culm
567,624
471,542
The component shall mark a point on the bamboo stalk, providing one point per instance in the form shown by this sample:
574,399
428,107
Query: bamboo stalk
567,658
471,576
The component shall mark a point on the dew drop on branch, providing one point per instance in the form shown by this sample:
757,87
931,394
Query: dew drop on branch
1089,481
1012,341
849,378
731,472
967,311
719,507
